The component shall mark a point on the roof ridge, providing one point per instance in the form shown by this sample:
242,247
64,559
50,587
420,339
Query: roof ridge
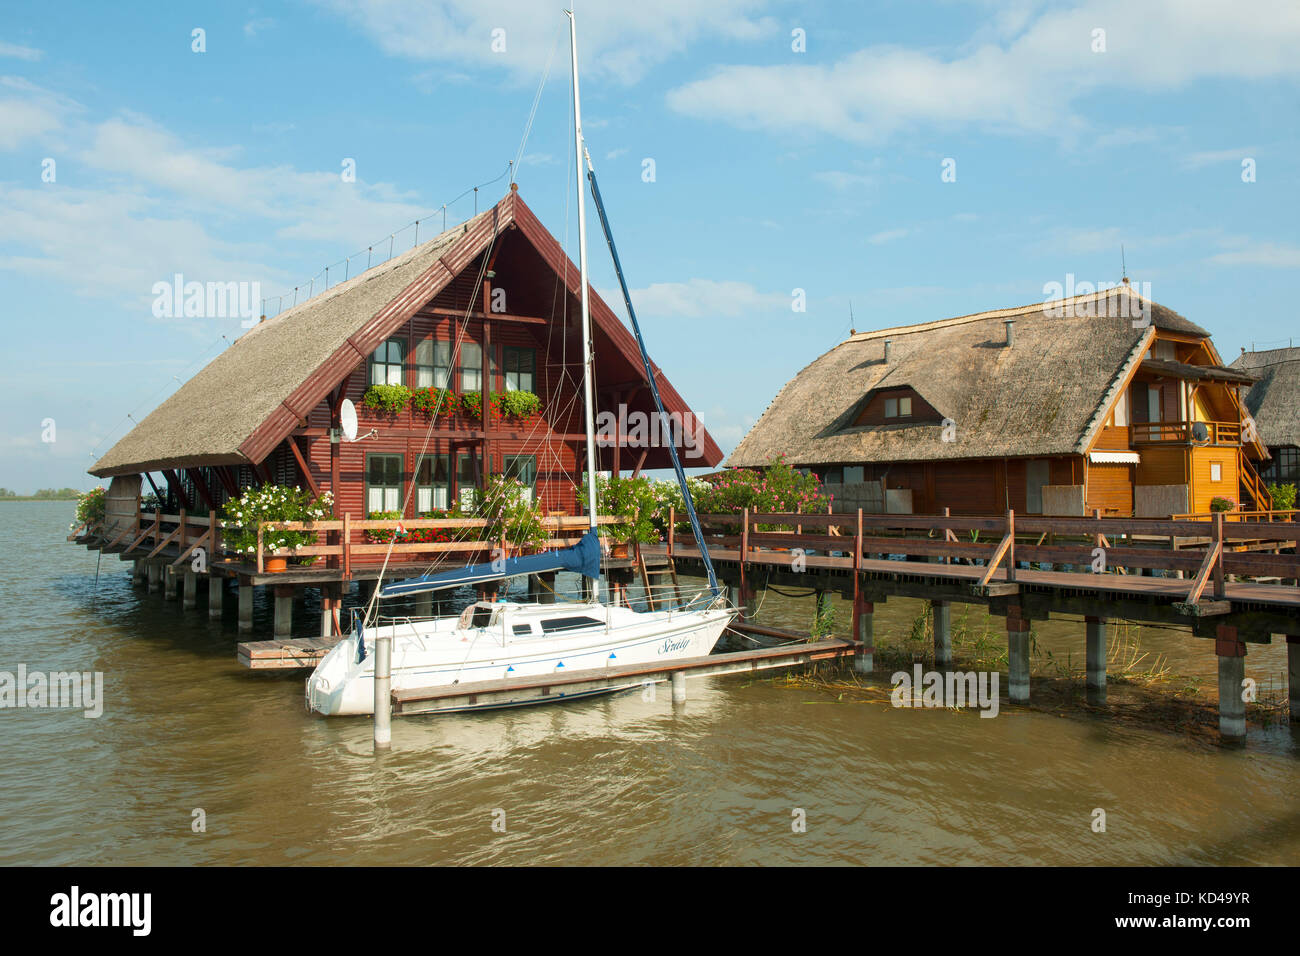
1042,306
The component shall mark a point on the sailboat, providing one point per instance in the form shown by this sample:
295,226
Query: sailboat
502,640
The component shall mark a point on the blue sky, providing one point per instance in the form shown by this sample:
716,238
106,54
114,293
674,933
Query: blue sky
775,170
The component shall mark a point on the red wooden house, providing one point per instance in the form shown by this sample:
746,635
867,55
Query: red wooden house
268,408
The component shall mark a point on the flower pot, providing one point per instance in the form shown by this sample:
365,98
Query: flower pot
620,551
275,565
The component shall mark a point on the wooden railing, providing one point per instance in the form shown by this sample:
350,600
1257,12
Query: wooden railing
1220,433
1001,542
1276,514
344,548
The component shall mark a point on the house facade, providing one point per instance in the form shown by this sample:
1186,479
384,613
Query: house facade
1274,402
487,308
1105,402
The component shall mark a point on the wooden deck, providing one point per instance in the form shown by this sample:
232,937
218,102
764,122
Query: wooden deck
286,654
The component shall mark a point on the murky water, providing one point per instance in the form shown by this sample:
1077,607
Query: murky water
618,781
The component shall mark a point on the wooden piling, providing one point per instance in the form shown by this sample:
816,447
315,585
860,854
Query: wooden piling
245,605
864,631
1017,656
1293,674
1231,652
942,616
283,626
1096,660
383,692
216,592
190,599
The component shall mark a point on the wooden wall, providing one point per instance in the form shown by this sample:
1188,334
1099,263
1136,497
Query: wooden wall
1203,488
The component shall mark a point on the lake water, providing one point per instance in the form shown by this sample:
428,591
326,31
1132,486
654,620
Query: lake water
619,780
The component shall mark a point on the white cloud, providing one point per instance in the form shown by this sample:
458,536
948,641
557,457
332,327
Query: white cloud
702,299
1270,254
29,112
1028,83
258,24
888,235
1214,157
20,52
617,39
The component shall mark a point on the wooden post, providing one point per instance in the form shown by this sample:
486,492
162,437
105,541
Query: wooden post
1017,656
864,631
216,592
1293,674
283,610
672,527
1219,591
1011,548
245,604
384,684
259,548
1231,651
347,546
190,598
1096,660
942,633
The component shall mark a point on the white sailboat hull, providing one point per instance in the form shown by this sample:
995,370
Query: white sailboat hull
438,652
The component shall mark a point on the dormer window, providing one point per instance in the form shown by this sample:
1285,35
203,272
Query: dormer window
896,405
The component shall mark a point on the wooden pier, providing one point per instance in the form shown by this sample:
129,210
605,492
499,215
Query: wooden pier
1229,581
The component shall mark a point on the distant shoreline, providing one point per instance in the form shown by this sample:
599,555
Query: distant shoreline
34,498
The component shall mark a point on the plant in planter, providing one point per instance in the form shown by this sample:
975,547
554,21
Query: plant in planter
510,513
431,400
386,398
421,535
470,404
517,404
267,507
90,508
1219,503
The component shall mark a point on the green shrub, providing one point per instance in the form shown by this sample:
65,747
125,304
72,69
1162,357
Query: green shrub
90,506
517,404
268,506
510,513
1283,496
1219,503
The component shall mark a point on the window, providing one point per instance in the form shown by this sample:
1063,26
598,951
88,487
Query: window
471,367
550,626
891,408
433,484
386,363
1288,464
1153,404
521,366
466,479
852,474
1216,471
432,364
523,467
833,476
383,483
904,407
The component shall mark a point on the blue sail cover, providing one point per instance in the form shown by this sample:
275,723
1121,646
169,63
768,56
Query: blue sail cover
583,557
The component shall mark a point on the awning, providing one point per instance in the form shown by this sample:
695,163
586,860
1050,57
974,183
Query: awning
1114,457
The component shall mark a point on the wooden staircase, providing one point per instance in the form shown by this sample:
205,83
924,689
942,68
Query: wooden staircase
1253,485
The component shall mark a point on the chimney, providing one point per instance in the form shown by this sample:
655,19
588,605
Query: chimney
1011,332
888,348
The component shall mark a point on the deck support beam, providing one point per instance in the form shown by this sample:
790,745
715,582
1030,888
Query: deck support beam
170,589
283,610
154,573
864,632
1096,660
190,599
245,605
942,633
216,592
1017,656
1232,672
139,573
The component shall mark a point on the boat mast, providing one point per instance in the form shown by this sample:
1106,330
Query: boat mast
588,387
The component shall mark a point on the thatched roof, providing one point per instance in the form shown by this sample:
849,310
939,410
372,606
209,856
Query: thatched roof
251,396
1046,395
1274,400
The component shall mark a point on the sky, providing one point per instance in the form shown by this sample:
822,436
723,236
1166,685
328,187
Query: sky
883,163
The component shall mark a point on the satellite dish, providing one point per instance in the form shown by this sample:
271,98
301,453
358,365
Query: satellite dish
1200,432
348,419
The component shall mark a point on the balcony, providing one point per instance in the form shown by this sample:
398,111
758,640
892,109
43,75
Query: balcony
1153,433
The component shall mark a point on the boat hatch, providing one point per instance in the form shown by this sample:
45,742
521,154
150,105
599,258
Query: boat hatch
477,615
553,624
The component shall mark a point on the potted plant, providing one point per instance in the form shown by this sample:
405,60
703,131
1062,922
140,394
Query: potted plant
90,509
389,399
470,404
268,507
1219,503
431,400
517,405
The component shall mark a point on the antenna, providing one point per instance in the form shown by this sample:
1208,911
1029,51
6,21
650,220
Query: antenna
1123,266
852,327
